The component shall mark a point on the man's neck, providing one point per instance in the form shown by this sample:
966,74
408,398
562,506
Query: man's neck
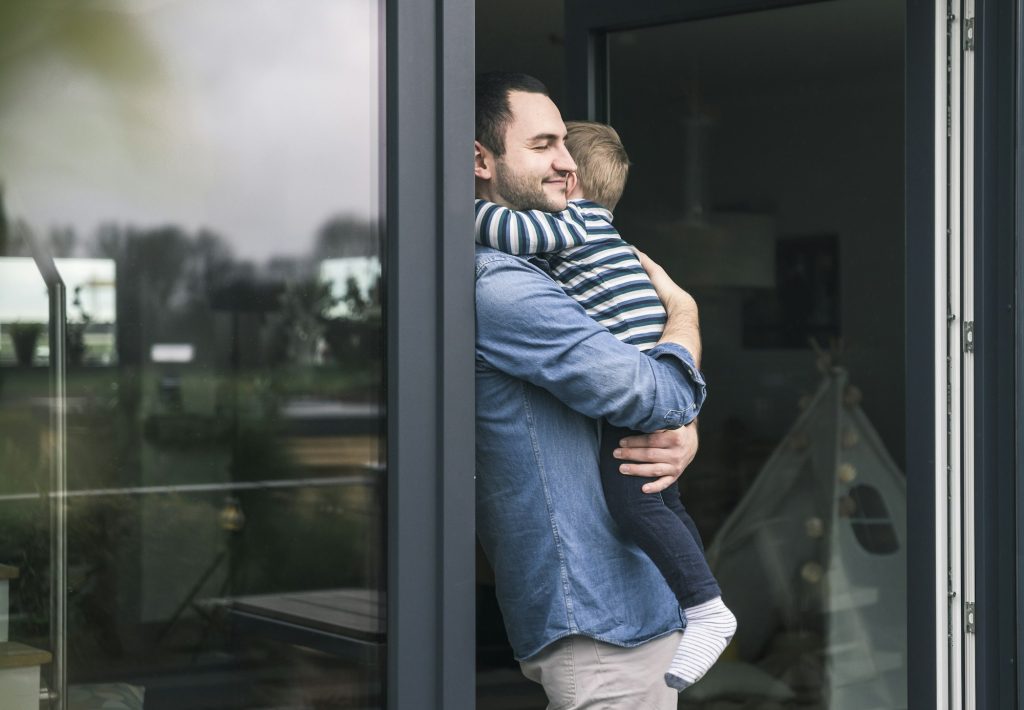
484,192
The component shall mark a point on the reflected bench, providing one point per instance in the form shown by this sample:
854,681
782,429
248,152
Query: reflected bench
7,573
347,623
19,675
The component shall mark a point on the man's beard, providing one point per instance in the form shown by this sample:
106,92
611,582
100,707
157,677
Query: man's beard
523,192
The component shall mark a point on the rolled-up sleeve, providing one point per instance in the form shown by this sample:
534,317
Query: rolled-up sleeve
528,328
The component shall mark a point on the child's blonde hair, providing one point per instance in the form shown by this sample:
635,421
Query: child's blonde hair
601,161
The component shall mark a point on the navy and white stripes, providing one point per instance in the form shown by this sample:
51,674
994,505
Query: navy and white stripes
584,253
528,232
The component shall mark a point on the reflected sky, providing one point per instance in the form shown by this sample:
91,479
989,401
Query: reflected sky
255,119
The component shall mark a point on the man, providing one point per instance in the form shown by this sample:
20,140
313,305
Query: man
588,614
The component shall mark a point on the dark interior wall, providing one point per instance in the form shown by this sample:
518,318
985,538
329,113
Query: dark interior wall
819,148
525,36
820,159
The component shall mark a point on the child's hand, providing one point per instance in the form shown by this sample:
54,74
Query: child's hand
663,455
670,293
682,325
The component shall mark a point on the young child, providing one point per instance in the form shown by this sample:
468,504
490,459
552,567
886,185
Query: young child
584,253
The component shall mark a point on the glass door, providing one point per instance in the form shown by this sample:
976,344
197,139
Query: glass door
767,149
34,306
207,175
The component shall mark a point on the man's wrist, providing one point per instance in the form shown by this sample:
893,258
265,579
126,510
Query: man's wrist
681,305
682,326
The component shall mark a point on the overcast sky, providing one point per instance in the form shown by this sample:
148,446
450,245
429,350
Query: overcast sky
258,119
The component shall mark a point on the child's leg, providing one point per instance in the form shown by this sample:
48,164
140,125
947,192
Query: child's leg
660,526
654,523
674,503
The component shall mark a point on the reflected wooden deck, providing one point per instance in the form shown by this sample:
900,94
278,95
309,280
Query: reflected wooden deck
334,451
18,655
342,622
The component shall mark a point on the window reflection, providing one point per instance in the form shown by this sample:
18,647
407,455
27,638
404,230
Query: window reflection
214,212
771,186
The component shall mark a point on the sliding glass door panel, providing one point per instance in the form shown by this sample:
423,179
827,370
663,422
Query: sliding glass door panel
207,176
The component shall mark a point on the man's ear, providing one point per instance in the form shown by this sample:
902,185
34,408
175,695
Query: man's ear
483,162
571,183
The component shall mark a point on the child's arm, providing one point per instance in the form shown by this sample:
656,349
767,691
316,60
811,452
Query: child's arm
529,231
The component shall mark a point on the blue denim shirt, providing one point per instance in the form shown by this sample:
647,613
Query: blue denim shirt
545,372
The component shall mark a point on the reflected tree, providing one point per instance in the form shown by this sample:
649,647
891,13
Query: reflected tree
345,236
19,237
355,340
62,242
108,242
302,322
76,329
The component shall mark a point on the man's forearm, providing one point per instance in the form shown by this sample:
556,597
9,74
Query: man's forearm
682,326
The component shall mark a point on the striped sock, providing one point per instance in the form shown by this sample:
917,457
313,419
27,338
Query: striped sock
709,628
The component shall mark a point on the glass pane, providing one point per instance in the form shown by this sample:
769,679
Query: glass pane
767,177
207,174
26,422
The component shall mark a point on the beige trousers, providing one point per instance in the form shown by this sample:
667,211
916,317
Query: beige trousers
579,673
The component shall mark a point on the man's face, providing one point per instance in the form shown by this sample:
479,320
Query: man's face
533,170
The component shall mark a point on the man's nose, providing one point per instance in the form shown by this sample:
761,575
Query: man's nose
563,162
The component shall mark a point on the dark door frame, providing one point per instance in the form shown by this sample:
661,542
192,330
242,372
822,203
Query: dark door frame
429,57
588,23
1018,153
923,570
997,353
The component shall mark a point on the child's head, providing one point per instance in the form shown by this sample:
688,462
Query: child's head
601,162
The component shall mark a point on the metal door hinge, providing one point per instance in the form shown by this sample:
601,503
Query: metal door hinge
969,614
968,336
969,34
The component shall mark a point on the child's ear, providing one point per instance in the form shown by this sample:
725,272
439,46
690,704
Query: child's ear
483,161
571,182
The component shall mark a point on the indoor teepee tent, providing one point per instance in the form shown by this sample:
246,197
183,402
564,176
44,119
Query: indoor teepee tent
817,547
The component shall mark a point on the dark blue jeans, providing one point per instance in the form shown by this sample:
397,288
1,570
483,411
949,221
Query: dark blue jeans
658,524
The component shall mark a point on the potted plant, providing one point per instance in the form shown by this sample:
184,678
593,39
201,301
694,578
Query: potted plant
25,337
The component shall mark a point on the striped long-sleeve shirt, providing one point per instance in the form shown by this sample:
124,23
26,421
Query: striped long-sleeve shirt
584,253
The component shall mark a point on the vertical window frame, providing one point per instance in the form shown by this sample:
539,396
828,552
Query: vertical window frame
429,61
997,252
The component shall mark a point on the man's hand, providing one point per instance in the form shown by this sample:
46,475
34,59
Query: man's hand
663,455
682,326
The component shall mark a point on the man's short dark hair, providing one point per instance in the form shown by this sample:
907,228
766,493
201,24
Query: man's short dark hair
493,113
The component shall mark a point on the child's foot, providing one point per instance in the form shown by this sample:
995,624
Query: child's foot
709,628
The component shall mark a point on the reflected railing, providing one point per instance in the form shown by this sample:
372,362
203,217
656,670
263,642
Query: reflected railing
328,481
57,692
